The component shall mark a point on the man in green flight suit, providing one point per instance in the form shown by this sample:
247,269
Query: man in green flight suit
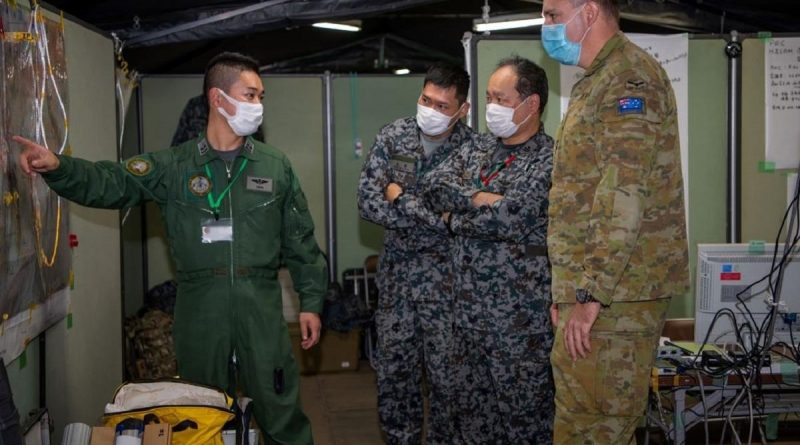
234,214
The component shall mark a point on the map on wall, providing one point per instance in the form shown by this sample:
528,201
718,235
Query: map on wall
35,258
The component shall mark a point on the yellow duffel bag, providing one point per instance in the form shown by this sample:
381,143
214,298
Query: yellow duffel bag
196,413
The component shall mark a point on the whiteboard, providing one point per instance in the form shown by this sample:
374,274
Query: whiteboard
782,104
672,52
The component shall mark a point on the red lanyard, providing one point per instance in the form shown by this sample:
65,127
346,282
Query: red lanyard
496,169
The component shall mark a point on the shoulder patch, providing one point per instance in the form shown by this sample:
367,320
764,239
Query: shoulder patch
139,166
631,105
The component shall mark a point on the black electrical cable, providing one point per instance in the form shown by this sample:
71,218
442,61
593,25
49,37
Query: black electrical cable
748,364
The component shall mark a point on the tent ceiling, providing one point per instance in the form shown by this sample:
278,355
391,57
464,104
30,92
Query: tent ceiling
179,36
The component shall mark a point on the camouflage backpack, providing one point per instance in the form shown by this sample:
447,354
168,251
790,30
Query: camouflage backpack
151,354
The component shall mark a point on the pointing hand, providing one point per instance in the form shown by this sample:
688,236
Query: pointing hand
35,158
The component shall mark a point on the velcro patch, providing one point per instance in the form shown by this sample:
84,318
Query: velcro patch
635,84
405,164
199,185
630,105
139,166
259,184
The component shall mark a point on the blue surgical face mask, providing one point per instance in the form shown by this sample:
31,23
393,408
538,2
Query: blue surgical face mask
558,46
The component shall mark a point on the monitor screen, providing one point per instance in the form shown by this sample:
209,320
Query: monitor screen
727,271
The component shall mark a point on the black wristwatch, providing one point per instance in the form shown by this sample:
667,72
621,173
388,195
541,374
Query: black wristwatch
583,296
397,198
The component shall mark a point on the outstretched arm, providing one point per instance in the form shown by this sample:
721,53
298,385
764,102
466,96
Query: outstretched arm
103,184
35,158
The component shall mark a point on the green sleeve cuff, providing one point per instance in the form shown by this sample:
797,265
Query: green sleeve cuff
63,171
311,304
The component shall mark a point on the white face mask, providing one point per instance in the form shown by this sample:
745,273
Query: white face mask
432,122
247,118
500,120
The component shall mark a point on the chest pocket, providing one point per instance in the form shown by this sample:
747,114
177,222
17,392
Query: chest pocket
260,208
183,224
403,170
300,222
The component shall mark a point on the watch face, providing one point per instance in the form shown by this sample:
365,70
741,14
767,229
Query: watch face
582,296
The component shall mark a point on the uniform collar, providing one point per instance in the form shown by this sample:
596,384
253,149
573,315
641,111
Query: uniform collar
533,144
456,136
205,154
454,140
616,41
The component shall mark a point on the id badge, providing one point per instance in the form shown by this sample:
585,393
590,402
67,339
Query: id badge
215,231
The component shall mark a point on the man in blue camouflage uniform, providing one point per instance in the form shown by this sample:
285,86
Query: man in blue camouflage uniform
414,315
495,191
617,234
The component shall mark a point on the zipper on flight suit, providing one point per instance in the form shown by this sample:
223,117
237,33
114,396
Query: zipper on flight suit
263,204
232,269
230,215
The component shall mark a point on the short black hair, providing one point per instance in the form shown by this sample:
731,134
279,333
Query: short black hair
531,78
447,75
224,69
611,7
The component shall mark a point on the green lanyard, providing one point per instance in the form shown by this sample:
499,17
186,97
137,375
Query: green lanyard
214,203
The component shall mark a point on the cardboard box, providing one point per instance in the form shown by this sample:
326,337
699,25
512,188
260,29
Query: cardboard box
336,351
102,435
157,434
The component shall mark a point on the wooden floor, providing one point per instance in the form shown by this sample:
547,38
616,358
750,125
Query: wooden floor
342,409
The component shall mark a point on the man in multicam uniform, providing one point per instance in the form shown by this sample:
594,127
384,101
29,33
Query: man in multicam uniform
617,235
495,190
414,315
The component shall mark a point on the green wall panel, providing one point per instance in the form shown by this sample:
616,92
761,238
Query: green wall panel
293,122
378,101
708,84
84,362
24,380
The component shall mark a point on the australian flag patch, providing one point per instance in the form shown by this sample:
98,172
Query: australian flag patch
630,105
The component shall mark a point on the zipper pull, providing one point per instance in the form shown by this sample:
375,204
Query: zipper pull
216,215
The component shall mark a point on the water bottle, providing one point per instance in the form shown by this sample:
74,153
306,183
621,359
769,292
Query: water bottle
129,432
